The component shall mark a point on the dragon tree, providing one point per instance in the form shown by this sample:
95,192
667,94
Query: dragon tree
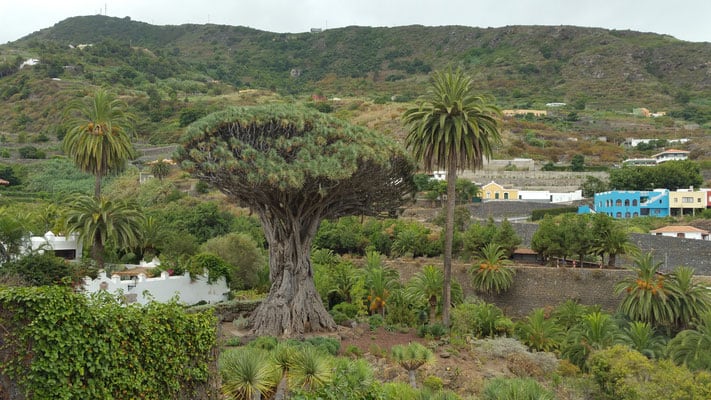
294,167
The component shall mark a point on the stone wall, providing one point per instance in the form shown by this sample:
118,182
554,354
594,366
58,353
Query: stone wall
539,287
557,181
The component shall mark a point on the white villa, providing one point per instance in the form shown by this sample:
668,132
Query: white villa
69,248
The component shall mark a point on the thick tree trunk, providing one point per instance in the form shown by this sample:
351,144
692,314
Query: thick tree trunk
293,306
611,260
448,240
413,380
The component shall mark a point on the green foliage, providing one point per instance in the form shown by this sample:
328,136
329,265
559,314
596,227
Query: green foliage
41,269
515,389
647,293
624,374
245,372
690,346
344,235
480,320
537,215
63,345
31,152
670,175
640,336
215,267
202,220
593,185
539,332
424,289
242,254
577,164
492,275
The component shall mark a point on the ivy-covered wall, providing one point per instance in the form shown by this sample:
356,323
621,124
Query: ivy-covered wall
57,344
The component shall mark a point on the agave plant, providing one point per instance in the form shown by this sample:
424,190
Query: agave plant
492,275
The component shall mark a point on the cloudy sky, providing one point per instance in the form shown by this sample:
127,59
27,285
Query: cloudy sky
684,19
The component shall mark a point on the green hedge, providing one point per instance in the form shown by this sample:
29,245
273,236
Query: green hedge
58,344
537,215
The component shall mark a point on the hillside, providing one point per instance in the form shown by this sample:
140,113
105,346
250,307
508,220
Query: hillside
171,75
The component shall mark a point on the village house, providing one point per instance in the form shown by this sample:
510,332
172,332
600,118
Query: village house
682,231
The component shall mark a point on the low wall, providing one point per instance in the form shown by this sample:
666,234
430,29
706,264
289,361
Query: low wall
162,289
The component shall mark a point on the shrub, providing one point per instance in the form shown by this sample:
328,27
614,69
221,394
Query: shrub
163,352
433,383
515,389
41,269
31,152
375,321
242,253
326,344
480,320
215,266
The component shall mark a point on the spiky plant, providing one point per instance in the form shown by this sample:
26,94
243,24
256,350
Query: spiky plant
641,336
538,332
247,373
311,368
411,357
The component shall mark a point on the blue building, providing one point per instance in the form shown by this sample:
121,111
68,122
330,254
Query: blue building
633,203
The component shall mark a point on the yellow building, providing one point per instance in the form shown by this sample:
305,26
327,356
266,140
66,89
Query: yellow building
686,202
494,191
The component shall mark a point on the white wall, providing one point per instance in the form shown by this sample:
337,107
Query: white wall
161,289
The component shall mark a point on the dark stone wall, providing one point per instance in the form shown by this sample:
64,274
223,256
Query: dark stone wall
540,287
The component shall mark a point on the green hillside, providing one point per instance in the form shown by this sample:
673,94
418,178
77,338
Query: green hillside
171,75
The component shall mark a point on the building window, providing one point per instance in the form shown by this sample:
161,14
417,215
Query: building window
634,203
687,200
676,200
506,195
627,214
618,203
618,215
627,203
635,214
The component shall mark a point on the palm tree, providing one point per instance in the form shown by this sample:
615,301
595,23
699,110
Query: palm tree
247,373
691,347
690,299
647,294
426,287
640,336
595,331
454,128
492,275
12,236
160,169
381,281
99,220
540,333
411,357
97,139
611,238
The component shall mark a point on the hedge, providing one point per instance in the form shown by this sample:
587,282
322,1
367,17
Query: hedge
60,344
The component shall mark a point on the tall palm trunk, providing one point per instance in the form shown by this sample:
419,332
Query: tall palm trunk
97,186
448,240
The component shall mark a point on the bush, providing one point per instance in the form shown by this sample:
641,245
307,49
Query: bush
537,215
41,270
480,320
515,389
242,253
155,351
31,152
215,266
326,344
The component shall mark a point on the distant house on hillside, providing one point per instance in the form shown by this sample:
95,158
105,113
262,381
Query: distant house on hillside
536,113
633,203
494,191
682,231
671,155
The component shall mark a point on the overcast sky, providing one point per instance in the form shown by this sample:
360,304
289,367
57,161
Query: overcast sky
684,19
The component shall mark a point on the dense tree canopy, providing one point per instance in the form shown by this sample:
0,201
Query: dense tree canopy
670,175
295,167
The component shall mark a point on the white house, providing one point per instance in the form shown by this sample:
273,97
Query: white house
546,196
29,62
69,248
682,231
671,155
